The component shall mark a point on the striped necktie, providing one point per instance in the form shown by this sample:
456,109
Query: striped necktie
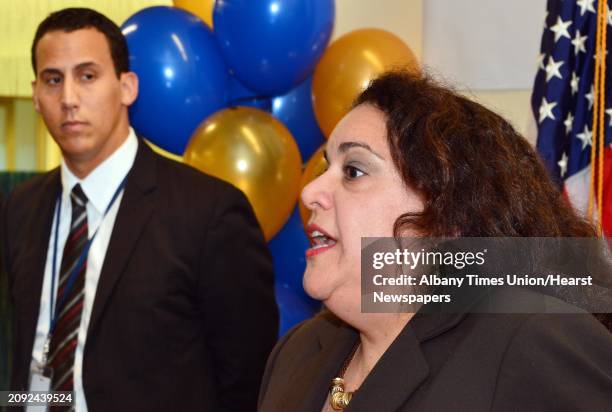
64,337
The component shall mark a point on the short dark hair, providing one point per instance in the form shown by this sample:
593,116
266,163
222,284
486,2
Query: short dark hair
77,18
476,174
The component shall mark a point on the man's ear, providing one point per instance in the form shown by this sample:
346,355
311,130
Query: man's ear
35,97
129,87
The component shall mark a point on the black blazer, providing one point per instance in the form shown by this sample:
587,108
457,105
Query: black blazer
184,314
459,362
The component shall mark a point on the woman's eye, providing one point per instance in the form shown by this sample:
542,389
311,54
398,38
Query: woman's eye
351,172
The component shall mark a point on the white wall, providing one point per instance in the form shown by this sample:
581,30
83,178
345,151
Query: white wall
488,83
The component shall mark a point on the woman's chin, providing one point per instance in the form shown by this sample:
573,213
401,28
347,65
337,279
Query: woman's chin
316,293
314,287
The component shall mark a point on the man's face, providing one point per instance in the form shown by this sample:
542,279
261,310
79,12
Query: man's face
79,96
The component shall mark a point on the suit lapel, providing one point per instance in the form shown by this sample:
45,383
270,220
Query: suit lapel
309,385
134,212
396,376
40,226
398,373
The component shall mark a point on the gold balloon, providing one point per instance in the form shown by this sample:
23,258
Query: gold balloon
256,153
165,153
201,8
314,168
348,65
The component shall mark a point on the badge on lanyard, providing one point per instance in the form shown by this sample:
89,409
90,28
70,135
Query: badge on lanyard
41,374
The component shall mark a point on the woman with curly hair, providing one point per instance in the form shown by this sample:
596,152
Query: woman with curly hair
413,158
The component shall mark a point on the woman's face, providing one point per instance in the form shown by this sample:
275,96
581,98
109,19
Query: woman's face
360,195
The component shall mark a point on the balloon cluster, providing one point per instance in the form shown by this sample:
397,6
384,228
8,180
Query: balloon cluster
251,99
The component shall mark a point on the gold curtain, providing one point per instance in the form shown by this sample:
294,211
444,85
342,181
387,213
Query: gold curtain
18,22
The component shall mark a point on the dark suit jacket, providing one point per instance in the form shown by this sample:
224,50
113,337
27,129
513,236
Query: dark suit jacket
184,314
444,362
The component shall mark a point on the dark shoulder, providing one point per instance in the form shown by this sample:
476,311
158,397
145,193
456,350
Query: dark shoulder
295,346
304,338
575,333
514,299
544,321
180,175
307,333
201,192
33,187
557,361
29,198
203,204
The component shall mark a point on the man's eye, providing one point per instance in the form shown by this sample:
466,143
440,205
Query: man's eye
351,172
53,80
87,76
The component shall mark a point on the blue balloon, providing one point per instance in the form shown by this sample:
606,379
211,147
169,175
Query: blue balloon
273,45
291,307
295,110
183,77
288,250
240,95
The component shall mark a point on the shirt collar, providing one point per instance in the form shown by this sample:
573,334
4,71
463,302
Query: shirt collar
100,185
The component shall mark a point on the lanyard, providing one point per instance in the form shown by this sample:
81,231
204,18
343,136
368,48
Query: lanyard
54,314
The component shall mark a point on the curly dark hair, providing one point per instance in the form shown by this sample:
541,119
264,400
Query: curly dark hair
477,175
76,18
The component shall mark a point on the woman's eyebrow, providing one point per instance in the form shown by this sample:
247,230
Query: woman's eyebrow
344,147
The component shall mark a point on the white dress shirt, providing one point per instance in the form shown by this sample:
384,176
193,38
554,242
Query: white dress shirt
99,187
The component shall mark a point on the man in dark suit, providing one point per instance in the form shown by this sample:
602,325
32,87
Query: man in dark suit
136,282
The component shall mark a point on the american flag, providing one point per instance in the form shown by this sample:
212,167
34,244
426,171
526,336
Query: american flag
563,98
